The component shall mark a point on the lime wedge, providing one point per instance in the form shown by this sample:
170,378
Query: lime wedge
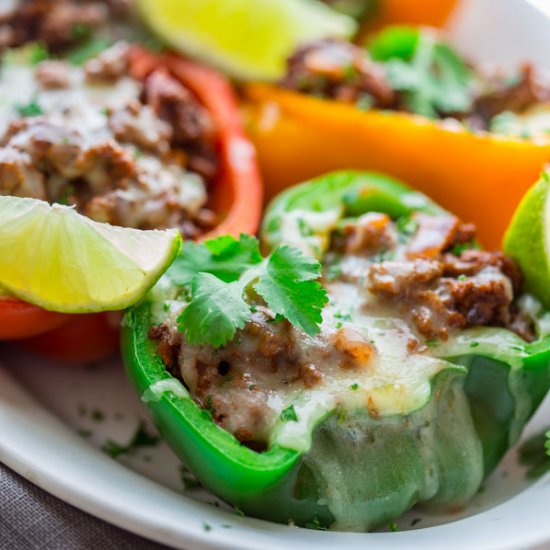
527,239
249,39
53,257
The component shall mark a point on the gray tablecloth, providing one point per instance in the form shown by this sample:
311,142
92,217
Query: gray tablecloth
32,519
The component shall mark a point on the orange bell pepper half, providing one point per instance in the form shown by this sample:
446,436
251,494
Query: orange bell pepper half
480,177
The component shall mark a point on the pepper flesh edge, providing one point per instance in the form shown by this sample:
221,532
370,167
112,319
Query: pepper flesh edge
299,137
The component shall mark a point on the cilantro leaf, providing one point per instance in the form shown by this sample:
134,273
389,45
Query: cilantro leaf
224,257
430,74
290,290
225,276
216,311
91,48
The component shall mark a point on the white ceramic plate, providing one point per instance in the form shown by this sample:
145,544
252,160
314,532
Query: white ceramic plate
55,419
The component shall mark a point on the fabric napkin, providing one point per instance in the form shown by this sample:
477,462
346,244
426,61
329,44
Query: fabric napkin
31,519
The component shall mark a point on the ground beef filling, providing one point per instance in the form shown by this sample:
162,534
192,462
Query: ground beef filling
58,24
422,277
144,161
342,71
435,279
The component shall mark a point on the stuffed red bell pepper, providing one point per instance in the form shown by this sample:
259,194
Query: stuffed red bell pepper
130,138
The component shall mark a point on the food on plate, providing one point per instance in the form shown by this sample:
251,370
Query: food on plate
375,14
249,40
129,138
60,24
407,105
130,152
527,239
81,266
373,358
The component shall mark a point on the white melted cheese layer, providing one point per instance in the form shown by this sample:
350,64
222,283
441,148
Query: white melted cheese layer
393,381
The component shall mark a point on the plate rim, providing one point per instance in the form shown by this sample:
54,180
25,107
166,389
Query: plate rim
28,426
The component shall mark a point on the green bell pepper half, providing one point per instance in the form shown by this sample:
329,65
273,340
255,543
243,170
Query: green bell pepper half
360,472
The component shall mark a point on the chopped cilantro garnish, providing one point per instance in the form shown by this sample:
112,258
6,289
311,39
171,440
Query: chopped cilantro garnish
332,272
535,454
342,316
365,102
393,527
432,343
30,109
458,249
81,31
474,344
382,256
37,53
406,225
188,480
67,193
304,228
354,387
289,414
349,72
224,273
315,524
238,511
141,438
462,277
87,50
429,73
207,527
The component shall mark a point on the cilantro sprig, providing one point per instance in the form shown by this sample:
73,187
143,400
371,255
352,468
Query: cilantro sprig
428,72
225,275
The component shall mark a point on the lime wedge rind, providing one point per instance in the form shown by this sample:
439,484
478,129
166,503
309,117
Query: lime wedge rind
53,257
527,239
249,39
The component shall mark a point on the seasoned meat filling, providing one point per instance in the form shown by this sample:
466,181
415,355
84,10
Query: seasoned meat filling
341,71
95,138
435,278
58,24
398,290
345,72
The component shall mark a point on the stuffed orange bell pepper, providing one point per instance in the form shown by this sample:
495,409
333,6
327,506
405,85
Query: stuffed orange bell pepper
411,107
133,139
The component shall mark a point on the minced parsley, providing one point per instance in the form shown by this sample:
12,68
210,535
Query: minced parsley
141,438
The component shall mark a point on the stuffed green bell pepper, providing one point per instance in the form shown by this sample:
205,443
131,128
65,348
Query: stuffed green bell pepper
401,381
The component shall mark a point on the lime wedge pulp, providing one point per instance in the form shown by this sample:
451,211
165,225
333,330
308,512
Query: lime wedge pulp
249,39
527,239
53,257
